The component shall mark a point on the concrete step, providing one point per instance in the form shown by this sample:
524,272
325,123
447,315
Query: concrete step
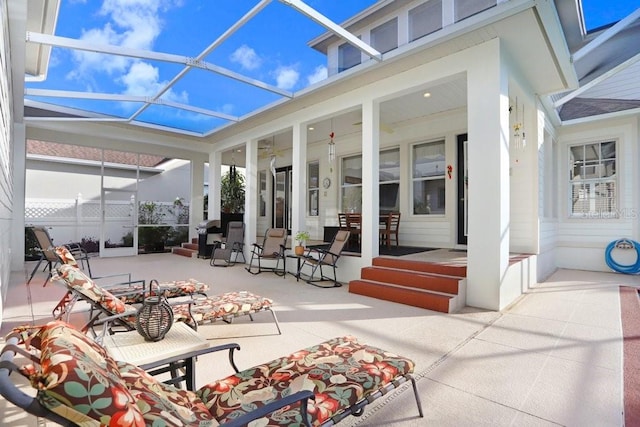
413,279
403,295
422,266
190,253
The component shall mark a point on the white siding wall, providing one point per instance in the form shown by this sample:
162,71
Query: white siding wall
6,157
581,242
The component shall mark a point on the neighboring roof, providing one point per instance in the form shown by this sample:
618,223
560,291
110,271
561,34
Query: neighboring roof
52,149
579,108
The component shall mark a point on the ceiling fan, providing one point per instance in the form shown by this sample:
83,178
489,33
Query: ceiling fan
268,150
383,127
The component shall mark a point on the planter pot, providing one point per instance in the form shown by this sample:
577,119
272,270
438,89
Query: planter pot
299,250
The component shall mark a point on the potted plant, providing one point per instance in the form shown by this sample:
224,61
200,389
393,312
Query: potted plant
232,195
301,238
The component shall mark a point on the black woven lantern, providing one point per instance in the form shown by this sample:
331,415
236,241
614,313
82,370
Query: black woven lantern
154,319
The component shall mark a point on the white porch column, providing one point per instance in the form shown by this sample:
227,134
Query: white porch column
299,163
370,181
251,196
215,164
196,204
488,170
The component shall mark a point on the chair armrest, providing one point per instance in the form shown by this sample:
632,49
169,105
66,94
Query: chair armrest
301,396
232,347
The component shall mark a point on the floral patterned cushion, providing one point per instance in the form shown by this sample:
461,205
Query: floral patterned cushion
76,279
65,256
78,380
223,306
164,405
340,371
135,293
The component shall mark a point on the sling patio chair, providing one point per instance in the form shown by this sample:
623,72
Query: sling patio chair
317,258
272,250
112,315
233,246
78,382
128,291
46,248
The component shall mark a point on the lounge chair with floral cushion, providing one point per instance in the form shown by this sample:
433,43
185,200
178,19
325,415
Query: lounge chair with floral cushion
112,314
76,379
128,291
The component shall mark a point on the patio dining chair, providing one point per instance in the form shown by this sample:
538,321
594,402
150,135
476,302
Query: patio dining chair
390,228
46,248
316,258
233,246
272,250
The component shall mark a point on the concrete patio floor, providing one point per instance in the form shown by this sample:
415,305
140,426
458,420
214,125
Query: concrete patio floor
554,357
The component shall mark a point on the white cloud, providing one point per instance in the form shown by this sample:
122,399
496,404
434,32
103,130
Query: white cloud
132,23
286,77
142,80
246,57
319,74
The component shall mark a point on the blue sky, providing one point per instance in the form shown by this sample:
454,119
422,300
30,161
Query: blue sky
271,47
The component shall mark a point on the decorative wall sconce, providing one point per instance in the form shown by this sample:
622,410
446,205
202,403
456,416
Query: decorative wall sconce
519,138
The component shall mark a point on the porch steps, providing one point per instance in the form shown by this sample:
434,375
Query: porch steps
431,285
189,250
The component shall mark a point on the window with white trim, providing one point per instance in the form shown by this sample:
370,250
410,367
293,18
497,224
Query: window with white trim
428,172
262,182
385,37
593,180
424,19
348,56
313,188
389,182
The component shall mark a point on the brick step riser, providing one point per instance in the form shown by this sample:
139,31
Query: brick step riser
421,266
406,296
410,279
190,246
183,252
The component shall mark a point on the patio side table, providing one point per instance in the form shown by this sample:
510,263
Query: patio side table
176,351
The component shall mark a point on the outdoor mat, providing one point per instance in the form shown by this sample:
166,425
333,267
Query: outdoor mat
391,251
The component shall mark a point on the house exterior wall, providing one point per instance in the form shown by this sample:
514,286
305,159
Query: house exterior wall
6,156
581,242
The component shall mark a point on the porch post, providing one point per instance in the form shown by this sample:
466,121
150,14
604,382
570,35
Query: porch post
196,202
215,164
299,162
370,181
251,196
488,174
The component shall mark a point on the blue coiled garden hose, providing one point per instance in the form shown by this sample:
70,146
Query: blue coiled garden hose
623,244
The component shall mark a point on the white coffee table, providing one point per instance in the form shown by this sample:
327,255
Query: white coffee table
176,350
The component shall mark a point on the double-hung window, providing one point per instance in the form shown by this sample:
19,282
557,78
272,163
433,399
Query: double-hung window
592,180
313,188
428,171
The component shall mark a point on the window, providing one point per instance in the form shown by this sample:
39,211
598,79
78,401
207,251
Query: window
385,37
592,180
467,8
348,56
428,170
262,179
425,19
313,189
389,177
351,184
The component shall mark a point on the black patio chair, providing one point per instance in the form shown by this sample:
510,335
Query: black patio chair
233,245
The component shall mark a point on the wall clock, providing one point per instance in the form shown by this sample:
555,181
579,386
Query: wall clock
326,183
